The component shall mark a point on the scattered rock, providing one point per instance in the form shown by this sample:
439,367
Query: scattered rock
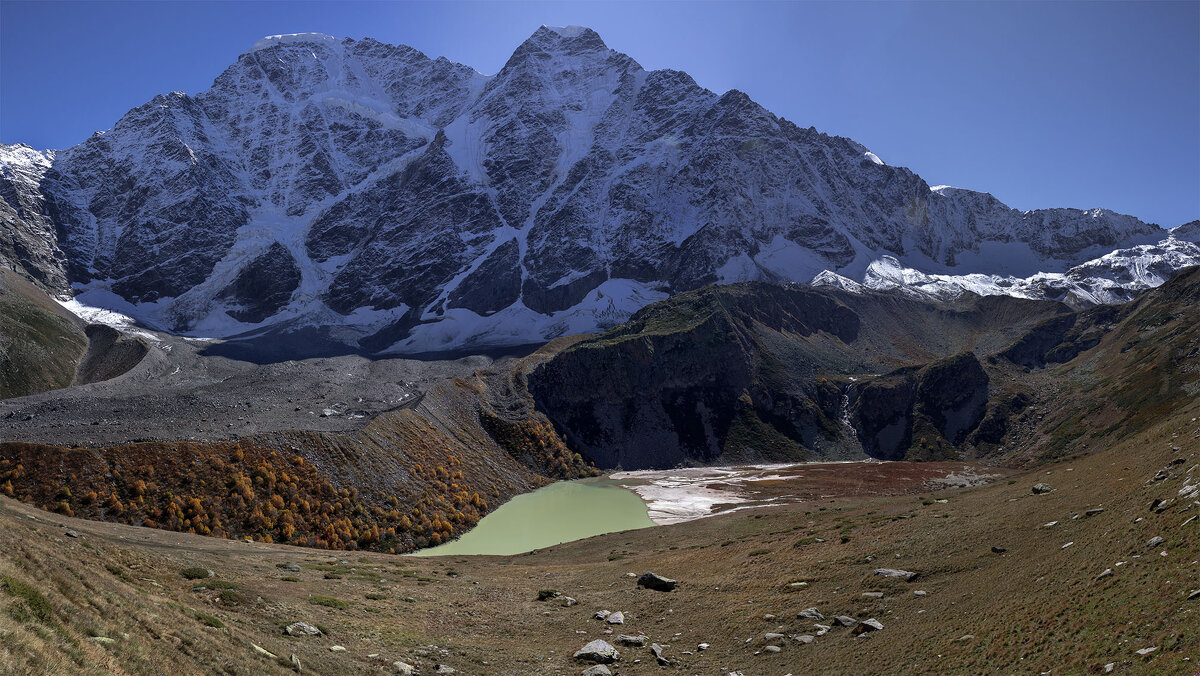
657,650
264,652
1194,595
845,621
600,651
1108,668
772,636
867,626
1176,461
1050,524
1067,545
635,641
596,670
404,668
301,629
1154,541
71,534
908,575
965,637
296,663
804,638
444,669
1146,651
873,595
1040,488
1106,573
615,618
602,614
1093,511
822,629
567,601
998,550
920,592
1159,505
1162,474
810,614
337,649
772,649
656,582
768,617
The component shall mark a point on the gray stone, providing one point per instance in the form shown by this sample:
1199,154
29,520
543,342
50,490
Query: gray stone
615,618
1162,474
600,651
810,614
908,575
602,614
822,629
658,656
920,592
71,534
1194,595
337,649
404,668
845,621
296,663
1106,573
867,626
772,649
1154,541
596,670
291,567
1040,488
444,669
301,629
873,595
656,582
1093,511
567,601
636,641
772,636
804,638
1146,651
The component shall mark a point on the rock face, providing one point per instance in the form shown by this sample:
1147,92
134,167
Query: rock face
416,204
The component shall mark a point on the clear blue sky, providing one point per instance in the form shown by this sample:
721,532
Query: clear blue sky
1078,104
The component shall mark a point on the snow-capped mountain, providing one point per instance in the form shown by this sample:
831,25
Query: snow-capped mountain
407,204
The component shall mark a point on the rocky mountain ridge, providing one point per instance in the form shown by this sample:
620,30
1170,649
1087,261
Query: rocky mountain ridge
397,203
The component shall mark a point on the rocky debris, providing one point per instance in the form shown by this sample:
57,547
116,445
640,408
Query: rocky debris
1161,474
404,668
810,614
71,534
301,629
908,575
873,595
822,629
1146,651
845,621
702,646
804,638
658,655
998,550
1106,573
920,592
1040,488
772,649
867,626
1159,505
337,649
599,651
1067,545
635,641
596,670
602,614
615,618
567,601
1093,511
656,582
1154,541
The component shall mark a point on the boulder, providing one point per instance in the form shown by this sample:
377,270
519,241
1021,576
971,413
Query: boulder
596,670
301,629
867,626
908,575
804,638
599,651
1040,488
845,621
615,618
635,641
656,582
810,614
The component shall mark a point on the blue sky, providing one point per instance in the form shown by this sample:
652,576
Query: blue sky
1077,104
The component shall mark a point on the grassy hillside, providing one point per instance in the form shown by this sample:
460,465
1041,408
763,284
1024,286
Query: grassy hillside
40,342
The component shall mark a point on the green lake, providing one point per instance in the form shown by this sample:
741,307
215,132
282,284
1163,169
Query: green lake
561,512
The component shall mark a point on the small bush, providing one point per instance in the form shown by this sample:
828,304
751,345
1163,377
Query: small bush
328,602
210,621
38,605
376,597
195,573
547,594
289,579
332,576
